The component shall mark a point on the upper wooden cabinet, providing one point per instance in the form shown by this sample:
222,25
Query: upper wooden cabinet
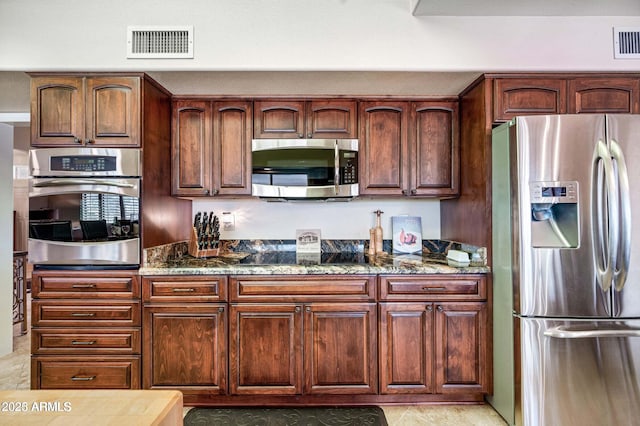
564,95
85,110
604,95
409,148
211,147
520,96
320,118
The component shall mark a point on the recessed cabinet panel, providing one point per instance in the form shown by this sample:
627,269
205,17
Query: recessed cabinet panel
332,119
340,348
232,127
604,95
57,111
514,96
406,348
113,110
278,119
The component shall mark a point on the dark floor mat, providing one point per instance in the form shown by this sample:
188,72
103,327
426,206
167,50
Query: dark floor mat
307,416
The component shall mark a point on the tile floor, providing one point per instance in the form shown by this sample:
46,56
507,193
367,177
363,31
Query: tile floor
15,374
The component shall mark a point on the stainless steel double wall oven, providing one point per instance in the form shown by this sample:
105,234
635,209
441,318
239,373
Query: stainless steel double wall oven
84,207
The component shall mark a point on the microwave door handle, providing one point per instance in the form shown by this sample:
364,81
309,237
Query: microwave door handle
622,262
75,182
562,332
336,173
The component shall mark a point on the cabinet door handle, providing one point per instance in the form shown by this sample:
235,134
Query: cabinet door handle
83,286
83,378
184,290
432,288
83,314
80,343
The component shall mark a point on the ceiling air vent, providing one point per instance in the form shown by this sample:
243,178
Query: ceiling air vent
626,43
160,42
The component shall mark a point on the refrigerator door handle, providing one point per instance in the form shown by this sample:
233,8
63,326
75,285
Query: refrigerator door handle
563,332
604,266
621,266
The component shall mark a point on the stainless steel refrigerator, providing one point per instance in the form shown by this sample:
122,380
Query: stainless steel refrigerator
566,270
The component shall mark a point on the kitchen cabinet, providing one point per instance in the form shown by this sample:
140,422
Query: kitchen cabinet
85,330
74,110
409,148
211,147
185,344
433,335
296,118
604,95
294,335
566,94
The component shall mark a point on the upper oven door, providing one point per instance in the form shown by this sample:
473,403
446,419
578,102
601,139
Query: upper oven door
94,162
304,168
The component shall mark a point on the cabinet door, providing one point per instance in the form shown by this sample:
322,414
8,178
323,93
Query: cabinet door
406,348
57,111
604,95
332,119
340,348
232,147
383,147
526,96
461,347
265,349
278,119
435,160
113,111
191,148
185,346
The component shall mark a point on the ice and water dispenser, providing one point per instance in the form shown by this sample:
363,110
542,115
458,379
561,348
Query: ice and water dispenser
554,214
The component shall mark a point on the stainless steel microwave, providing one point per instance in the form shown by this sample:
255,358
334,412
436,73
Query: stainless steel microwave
297,169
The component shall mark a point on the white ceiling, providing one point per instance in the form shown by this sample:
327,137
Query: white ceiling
526,7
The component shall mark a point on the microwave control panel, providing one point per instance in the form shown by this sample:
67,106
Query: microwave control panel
83,163
348,167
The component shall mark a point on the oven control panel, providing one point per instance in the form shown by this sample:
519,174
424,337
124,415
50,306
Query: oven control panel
83,163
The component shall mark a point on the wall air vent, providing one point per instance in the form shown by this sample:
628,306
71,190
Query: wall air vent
626,42
174,42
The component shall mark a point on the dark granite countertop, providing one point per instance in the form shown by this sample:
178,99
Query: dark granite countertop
287,262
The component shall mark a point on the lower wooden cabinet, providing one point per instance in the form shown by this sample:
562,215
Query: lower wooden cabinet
185,348
86,330
292,349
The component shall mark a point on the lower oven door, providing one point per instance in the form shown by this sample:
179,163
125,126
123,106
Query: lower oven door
84,221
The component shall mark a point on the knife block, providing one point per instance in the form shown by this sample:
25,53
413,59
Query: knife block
195,251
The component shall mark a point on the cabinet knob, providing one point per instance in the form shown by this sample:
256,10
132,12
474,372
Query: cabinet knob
405,192
414,191
206,192
77,140
297,310
89,141
215,192
429,308
308,309
440,309
300,135
221,309
310,135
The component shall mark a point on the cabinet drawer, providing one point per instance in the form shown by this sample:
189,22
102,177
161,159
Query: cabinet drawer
192,289
407,287
302,288
85,341
81,284
86,313
85,373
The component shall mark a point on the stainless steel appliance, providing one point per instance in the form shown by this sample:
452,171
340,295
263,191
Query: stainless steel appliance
304,168
566,270
84,207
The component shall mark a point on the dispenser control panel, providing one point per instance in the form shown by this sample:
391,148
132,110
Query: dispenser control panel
554,192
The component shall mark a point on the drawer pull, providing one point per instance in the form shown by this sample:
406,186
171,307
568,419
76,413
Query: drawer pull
83,286
184,290
80,343
83,378
83,314
433,288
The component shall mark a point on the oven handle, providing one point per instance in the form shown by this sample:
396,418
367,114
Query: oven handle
75,182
